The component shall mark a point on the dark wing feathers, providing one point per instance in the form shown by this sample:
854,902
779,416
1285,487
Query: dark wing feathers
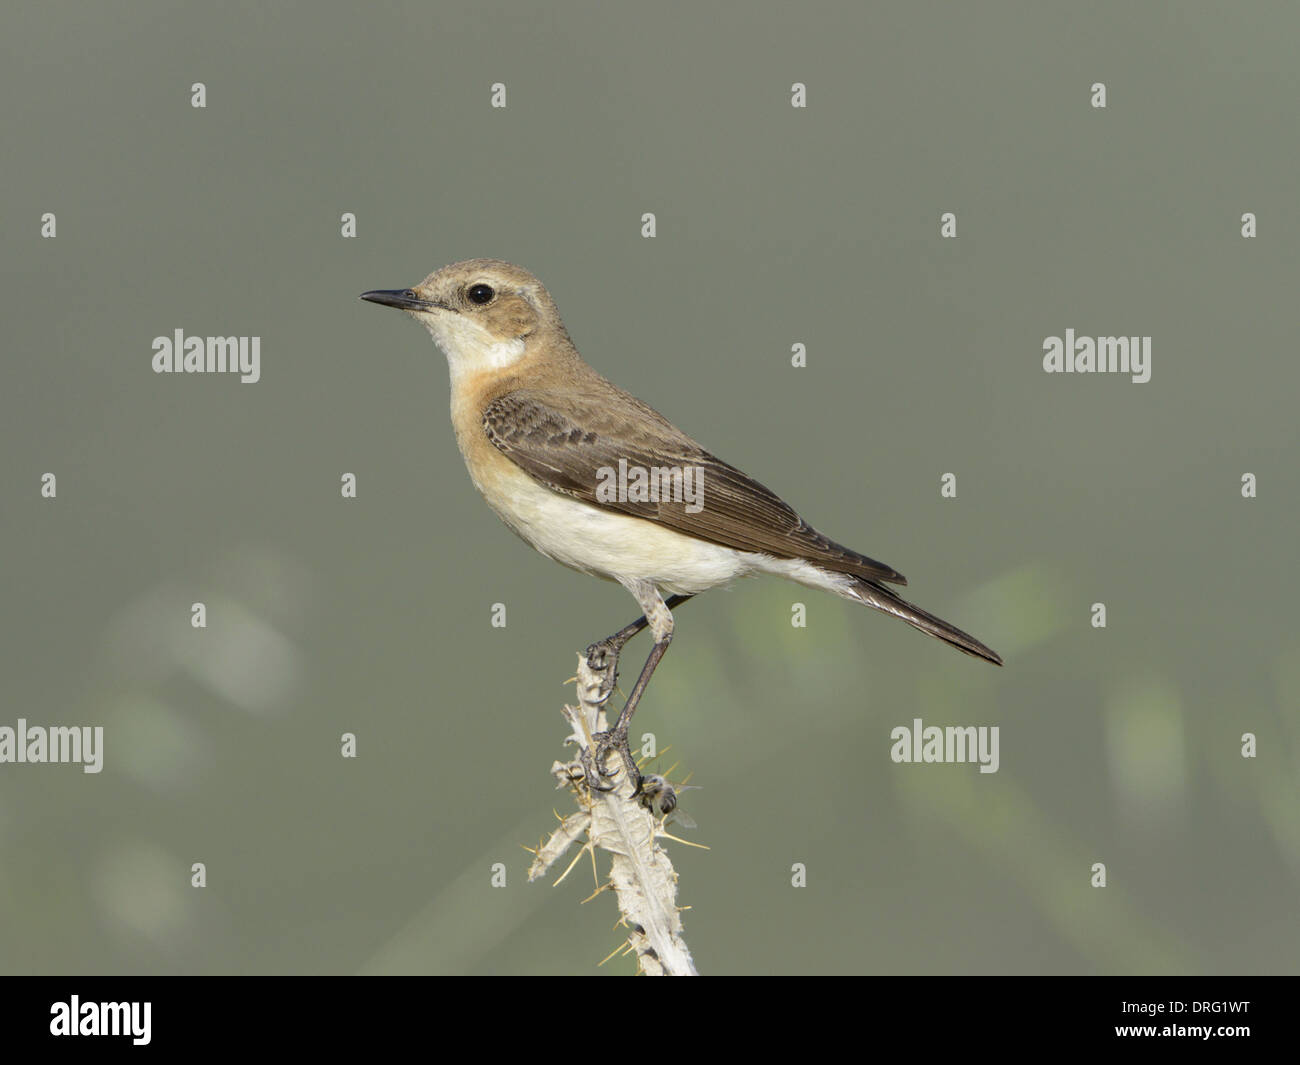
563,440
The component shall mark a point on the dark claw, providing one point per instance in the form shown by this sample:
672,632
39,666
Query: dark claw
602,657
593,760
590,776
598,655
614,740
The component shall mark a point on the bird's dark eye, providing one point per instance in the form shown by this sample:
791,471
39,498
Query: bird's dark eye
480,294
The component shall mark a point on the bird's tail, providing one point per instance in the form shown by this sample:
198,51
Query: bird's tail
887,601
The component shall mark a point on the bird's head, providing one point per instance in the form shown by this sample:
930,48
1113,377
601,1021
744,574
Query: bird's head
484,314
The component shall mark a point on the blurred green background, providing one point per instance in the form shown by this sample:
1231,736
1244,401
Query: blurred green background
775,226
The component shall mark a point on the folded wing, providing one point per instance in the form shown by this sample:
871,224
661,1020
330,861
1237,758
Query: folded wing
571,443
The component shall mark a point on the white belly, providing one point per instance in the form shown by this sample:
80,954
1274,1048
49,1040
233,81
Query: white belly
608,544
616,546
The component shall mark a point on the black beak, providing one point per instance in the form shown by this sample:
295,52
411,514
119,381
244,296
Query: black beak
403,299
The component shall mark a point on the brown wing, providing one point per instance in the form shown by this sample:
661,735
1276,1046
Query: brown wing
574,443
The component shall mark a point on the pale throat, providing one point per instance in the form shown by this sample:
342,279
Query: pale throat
471,349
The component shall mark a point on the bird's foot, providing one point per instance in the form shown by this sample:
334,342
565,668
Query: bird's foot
593,760
589,775
602,658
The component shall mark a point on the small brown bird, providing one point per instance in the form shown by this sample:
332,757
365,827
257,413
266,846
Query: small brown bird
593,478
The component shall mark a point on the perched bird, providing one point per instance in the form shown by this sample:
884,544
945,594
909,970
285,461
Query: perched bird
593,478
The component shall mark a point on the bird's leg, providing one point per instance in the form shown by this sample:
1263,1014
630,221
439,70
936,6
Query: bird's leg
616,739
658,615
602,656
